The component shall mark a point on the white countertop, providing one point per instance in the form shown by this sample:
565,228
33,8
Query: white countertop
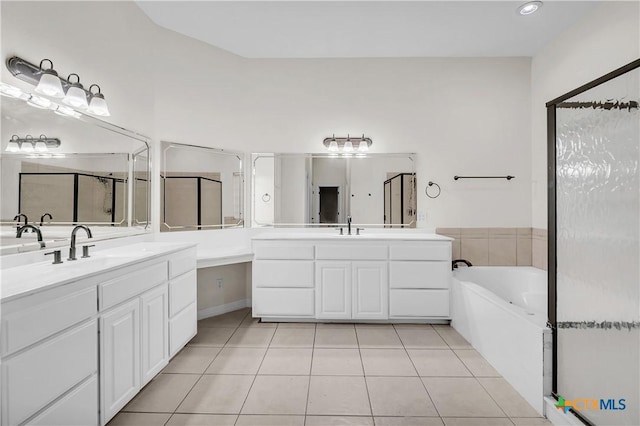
364,236
27,279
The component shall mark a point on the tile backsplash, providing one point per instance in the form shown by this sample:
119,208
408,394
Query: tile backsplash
499,246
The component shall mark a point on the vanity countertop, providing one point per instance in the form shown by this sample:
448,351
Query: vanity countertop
364,236
27,279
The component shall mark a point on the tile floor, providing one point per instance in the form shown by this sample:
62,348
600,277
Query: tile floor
238,371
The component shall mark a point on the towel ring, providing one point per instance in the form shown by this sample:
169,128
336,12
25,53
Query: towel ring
266,197
426,190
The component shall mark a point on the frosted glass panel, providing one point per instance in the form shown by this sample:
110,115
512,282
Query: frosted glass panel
598,248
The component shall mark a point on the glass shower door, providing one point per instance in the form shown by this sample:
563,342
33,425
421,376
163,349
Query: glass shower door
598,251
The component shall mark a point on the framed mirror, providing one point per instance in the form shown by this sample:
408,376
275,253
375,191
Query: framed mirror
323,190
62,170
201,188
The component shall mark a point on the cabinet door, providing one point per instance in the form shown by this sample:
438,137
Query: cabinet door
370,290
120,357
333,290
154,332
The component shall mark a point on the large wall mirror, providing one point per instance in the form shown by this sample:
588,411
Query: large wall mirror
202,188
91,173
322,190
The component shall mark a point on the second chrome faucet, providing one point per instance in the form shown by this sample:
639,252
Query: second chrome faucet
72,248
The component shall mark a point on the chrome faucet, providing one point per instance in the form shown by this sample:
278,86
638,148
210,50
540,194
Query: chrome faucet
72,249
349,225
17,217
23,228
45,215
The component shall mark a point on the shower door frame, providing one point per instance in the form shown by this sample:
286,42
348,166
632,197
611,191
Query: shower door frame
552,307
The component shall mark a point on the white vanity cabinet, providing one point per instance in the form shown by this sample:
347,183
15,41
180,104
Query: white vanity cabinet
346,278
77,351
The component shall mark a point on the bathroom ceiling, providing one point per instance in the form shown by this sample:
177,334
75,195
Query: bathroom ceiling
356,29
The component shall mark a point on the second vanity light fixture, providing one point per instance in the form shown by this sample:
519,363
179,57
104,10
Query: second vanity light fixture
47,82
347,145
29,144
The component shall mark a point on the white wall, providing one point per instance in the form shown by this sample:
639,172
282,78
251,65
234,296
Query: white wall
603,41
460,115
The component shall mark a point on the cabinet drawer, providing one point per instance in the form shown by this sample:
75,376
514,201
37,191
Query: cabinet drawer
182,292
282,302
132,284
38,376
351,252
282,273
419,303
182,328
78,408
421,251
182,263
283,251
419,274
26,326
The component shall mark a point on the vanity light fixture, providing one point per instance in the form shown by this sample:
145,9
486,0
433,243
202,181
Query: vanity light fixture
529,7
29,144
39,102
48,82
347,145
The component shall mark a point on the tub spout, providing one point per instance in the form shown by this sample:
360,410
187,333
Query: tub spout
454,264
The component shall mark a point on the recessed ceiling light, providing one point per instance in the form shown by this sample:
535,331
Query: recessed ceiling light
529,7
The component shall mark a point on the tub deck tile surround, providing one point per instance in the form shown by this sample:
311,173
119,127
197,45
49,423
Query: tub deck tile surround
425,375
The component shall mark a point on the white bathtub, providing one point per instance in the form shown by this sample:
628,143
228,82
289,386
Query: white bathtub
502,312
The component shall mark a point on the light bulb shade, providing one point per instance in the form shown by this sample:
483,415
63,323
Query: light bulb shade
39,102
348,146
98,105
41,146
10,91
363,146
333,146
50,84
27,147
76,97
13,146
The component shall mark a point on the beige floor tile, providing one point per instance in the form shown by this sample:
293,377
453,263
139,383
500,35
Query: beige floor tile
477,421
421,338
192,359
511,402
529,421
287,361
461,397
335,325
338,396
478,366
339,421
202,420
399,396
408,421
139,419
257,420
336,362
237,361
387,362
211,336
293,338
217,394
251,337
336,338
249,321
437,362
378,337
452,337
297,325
230,319
163,393
277,395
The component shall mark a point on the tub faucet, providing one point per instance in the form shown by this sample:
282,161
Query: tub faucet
45,215
72,249
349,225
23,228
454,264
